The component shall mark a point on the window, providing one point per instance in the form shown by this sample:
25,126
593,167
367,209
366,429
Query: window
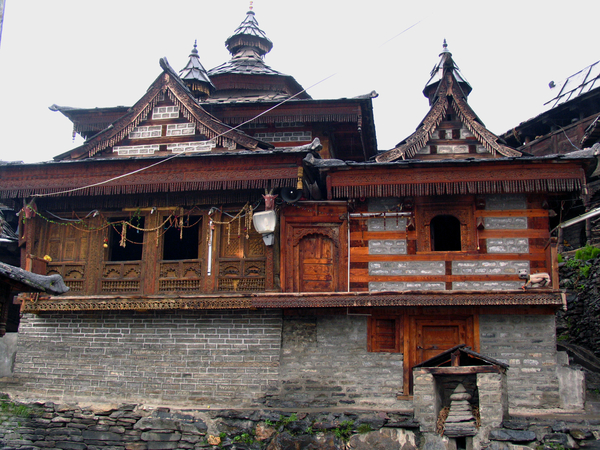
182,243
127,246
445,234
385,334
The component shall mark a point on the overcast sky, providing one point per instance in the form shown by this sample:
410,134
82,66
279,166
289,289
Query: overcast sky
85,53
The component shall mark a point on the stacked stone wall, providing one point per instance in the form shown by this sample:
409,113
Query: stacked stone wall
138,427
527,343
196,357
325,363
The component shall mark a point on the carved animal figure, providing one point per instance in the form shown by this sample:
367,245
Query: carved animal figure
537,280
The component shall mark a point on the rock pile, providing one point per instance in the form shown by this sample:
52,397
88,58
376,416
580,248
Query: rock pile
460,420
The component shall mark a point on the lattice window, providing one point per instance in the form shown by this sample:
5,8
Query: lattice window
181,129
136,150
146,132
165,112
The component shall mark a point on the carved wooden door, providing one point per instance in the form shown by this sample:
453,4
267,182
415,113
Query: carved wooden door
436,335
314,249
316,264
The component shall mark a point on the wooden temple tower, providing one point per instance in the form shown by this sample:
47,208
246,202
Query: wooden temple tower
387,257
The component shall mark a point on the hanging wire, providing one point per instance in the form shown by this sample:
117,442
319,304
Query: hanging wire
100,183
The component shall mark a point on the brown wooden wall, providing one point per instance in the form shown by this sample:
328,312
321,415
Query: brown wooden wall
474,239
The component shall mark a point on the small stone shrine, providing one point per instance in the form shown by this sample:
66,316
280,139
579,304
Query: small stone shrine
459,393
460,420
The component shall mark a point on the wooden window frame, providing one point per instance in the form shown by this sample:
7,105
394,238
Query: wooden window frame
372,334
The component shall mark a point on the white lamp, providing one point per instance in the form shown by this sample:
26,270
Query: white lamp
264,223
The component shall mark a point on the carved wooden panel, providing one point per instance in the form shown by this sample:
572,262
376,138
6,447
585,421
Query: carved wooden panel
316,264
66,243
315,258
121,277
242,261
180,276
72,274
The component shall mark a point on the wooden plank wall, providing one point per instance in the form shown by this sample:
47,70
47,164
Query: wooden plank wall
537,233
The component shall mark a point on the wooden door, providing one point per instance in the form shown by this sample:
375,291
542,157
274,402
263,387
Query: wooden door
435,336
316,260
431,335
314,248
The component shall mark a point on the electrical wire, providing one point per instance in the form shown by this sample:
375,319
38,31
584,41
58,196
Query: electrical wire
100,183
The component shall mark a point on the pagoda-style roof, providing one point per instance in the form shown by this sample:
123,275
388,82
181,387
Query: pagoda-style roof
249,34
168,84
447,91
90,121
195,77
246,75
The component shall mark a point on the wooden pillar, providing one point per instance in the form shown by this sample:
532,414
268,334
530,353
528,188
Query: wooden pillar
5,302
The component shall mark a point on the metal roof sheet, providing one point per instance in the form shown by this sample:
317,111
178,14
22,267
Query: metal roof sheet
578,84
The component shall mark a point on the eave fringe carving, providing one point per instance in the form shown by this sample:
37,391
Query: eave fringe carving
33,303
143,188
206,124
458,188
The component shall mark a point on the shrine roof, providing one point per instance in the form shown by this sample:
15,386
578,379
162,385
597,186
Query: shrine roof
466,355
246,62
167,82
246,71
447,90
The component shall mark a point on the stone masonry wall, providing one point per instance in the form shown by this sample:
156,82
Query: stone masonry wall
528,345
196,357
203,358
325,363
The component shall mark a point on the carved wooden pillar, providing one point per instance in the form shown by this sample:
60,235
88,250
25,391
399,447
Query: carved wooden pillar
150,257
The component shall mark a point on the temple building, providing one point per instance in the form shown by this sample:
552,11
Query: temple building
230,241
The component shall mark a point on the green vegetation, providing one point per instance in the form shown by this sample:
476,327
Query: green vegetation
364,428
344,430
581,265
586,253
10,409
246,438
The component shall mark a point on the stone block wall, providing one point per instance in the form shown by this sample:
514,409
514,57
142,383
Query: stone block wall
203,358
528,345
493,398
196,357
325,362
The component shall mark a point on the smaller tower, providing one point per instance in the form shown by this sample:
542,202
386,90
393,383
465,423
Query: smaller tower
444,67
195,76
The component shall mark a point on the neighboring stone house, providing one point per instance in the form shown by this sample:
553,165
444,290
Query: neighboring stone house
379,261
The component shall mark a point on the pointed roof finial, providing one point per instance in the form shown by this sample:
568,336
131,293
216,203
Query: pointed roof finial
251,3
249,35
194,75
445,65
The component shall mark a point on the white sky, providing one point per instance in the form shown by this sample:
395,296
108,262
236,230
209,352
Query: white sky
85,53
